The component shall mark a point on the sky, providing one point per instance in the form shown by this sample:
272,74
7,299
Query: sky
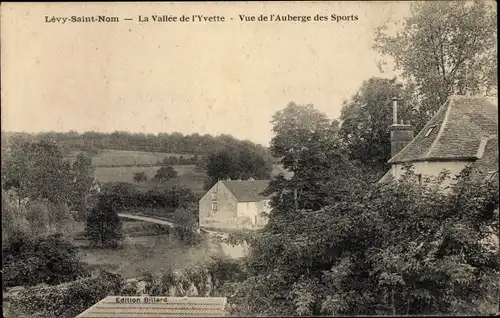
162,77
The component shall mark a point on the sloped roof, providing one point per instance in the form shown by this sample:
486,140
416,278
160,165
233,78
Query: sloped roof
459,125
247,190
487,164
111,306
386,177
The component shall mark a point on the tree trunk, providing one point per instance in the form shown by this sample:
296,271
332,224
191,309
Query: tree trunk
393,304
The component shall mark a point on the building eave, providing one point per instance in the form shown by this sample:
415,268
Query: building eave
436,159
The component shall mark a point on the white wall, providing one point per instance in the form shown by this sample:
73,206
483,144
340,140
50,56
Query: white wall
225,216
249,213
432,169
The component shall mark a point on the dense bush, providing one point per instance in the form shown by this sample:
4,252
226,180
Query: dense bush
104,227
212,279
31,261
66,300
165,173
140,177
395,249
180,161
125,196
34,218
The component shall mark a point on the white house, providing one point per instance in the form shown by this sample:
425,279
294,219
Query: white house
235,204
463,132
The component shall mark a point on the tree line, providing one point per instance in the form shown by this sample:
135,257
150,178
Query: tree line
126,196
195,144
38,171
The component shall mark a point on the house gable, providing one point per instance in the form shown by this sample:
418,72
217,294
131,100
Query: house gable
218,208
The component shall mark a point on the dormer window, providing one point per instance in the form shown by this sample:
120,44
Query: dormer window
429,131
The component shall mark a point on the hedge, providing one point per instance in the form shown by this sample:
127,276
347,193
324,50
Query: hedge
66,300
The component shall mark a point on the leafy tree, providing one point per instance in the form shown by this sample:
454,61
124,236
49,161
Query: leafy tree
180,197
381,251
366,119
186,217
140,177
33,218
104,227
166,173
444,48
82,174
52,260
235,162
37,170
121,195
309,146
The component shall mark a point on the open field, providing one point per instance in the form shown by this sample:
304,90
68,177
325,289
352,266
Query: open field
113,166
188,177
142,251
126,174
118,158
147,253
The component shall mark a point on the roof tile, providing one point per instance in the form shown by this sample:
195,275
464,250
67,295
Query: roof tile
166,307
247,190
462,121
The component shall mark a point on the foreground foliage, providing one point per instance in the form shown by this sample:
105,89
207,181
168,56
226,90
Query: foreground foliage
66,300
51,260
396,249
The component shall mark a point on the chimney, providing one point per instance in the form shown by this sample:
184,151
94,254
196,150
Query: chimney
401,134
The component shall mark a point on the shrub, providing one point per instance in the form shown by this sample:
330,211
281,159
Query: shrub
51,260
33,218
66,300
140,177
166,173
104,227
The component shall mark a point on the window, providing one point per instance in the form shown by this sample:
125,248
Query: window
214,206
419,178
429,131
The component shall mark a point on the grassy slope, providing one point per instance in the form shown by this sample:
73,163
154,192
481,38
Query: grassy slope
188,175
119,158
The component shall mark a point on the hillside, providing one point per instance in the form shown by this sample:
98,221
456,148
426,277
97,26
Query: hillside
114,166
126,158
